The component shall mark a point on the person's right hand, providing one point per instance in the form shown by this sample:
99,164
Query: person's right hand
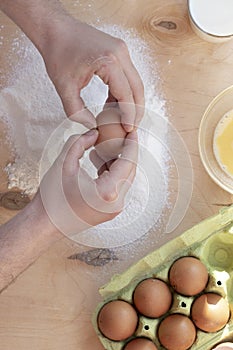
73,52
72,199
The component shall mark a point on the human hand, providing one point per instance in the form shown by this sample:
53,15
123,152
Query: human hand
72,199
74,52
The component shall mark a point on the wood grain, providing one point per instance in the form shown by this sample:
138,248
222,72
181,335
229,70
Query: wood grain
50,305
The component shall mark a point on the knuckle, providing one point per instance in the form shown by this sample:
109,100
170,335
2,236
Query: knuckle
122,46
110,58
83,79
109,196
127,95
120,49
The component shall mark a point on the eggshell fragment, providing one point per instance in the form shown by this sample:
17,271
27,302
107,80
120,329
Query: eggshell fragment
188,276
111,134
117,320
152,297
224,346
140,344
177,332
210,312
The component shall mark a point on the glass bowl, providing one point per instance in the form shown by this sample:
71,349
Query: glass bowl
218,107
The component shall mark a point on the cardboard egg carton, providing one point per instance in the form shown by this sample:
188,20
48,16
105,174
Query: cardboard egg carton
212,242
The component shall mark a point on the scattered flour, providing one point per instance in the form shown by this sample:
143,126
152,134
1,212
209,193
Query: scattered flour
32,110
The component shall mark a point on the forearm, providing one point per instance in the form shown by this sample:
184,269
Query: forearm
37,18
23,239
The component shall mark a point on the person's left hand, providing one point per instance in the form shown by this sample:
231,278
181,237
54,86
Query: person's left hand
72,199
74,52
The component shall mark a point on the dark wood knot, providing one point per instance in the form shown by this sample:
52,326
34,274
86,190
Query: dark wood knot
95,257
13,200
167,25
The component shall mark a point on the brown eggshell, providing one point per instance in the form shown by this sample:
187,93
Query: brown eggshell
152,297
177,332
140,344
117,320
188,276
210,312
111,134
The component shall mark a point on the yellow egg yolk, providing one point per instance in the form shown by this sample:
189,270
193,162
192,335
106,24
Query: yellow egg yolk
224,143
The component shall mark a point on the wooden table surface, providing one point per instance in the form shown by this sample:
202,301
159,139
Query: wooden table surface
50,305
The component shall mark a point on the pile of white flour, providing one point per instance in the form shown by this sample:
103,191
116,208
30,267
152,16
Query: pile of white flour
32,110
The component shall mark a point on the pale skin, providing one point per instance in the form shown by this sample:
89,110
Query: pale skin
24,238
73,52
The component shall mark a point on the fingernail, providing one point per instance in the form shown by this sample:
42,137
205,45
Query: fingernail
91,132
128,127
90,125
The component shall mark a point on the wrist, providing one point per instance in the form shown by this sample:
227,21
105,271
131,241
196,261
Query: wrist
39,215
35,18
57,31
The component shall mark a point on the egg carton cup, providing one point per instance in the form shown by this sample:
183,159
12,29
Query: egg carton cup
211,241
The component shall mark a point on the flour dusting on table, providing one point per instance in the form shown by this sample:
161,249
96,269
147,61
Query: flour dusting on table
32,110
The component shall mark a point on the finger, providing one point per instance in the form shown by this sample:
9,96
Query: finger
96,160
99,163
140,110
106,187
74,106
105,167
111,183
119,87
60,159
123,183
102,169
111,101
134,80
136,85
123,186
109,163
123,166
76,151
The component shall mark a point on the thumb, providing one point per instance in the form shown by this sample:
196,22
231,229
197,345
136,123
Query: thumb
76,150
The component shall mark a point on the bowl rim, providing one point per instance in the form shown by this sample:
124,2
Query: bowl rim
201,151
204,31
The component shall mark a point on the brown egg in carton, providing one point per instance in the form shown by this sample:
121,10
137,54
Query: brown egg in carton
209,243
